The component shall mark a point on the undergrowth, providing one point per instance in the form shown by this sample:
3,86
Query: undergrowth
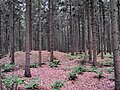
72,76
54,63
77,70
76,56
8,67
80,69
109,69
112,76
108,63
57,85
32,84
12,82
97,71
34,65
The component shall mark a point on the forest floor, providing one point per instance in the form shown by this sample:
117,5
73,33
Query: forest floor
48,75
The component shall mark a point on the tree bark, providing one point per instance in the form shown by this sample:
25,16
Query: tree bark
40,34
93,17
12,7
101,32
1,86
104,29
71,30
20,41
0,33
51,29
30,22
28,48
116,48
89,32
119,17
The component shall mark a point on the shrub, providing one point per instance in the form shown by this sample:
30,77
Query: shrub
2,75
99,75
93,69
34,65
109,69
79,70
32,84
76,56
57,85
11,82
54,63
97,71
72,76
8,67
112,76
107,63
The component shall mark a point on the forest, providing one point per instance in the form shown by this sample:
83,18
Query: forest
59,44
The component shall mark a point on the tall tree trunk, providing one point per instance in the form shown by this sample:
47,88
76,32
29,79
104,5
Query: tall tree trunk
104,28
40,33
12,7
93,17
77,35
89,32
67,37
80,36
20,41
28,48
84,32
0,32
60,36
101,32
6,37
30,22
119,18
1,86
116,47
51,29
71,30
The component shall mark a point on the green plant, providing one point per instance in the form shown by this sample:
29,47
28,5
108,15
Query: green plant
32,84
109,69
97,71
76,56
57,85
112,76
99,75
34,65
11,82
107,63
72,76
2,75
8,67
54,63
79,69
92,69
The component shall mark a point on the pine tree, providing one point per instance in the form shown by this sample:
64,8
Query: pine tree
28,47
116,48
